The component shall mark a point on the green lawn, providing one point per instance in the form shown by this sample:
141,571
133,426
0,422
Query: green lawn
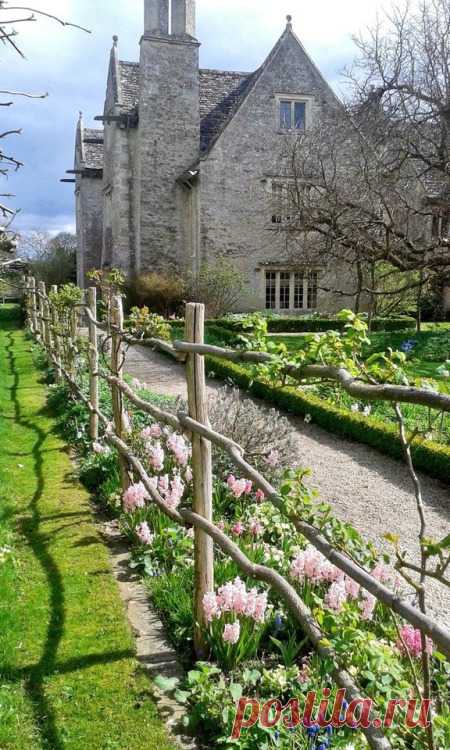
68,676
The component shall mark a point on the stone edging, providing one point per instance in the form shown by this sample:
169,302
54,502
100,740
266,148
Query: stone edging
153,651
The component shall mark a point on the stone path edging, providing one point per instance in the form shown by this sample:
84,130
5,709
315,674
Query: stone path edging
153,651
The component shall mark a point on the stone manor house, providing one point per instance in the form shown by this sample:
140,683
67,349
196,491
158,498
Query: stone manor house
184,170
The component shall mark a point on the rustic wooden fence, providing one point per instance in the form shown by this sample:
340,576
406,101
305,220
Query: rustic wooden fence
45,325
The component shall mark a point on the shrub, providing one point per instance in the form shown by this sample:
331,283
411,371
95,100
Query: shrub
143,323
258,430
318,325
163,293
218,285
428,456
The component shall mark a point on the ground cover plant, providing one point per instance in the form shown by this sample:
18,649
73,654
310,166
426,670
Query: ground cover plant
256,648
68,676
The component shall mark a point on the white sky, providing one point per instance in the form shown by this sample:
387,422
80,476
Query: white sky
72,67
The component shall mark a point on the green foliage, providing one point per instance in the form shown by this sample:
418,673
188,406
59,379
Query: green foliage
67,296
317,324
145,324
218,285
162,292
52,260
430,457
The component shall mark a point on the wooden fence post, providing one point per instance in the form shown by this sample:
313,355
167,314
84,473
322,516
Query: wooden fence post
117,365
56,339
48,337
33,326
42,324
202,471
93,360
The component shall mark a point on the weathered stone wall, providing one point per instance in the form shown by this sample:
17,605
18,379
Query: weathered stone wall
168,145
236,199
117,231
89,214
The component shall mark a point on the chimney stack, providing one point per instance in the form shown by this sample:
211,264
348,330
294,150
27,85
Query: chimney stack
156,17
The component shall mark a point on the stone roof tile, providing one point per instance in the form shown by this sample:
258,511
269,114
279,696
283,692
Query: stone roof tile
129,85
221,92
93,148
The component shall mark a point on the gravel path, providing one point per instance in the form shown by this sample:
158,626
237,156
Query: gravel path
365,488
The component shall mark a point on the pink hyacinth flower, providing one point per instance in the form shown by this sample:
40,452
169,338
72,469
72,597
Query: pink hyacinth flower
134,497
413,641
156,457
232,632
255,527
336,596
211,607
367,606
260,496
238,529
144,534
352,588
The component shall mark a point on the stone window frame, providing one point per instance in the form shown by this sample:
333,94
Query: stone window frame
300,300
302,98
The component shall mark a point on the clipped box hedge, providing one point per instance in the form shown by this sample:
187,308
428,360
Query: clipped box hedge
318,325
429,456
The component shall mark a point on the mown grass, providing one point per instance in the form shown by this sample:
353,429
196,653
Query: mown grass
68,676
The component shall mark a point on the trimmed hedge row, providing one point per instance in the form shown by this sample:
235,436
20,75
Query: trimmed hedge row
317,325
429,456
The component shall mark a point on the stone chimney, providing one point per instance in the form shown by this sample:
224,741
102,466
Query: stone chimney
169,131
156,21
183,18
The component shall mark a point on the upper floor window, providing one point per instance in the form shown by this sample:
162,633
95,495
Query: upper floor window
283,204
292,114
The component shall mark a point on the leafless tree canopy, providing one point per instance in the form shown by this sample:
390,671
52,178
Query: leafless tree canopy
371,185
12,17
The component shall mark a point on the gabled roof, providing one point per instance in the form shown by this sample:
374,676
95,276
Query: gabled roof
221,92
93,148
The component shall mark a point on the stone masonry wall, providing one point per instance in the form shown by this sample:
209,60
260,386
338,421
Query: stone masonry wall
235,181
169,137
89,212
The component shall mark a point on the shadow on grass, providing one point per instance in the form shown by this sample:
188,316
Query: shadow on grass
34,675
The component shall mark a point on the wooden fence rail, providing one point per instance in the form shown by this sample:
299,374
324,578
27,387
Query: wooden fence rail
42,323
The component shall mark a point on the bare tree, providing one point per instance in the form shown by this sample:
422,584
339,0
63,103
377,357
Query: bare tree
369,187
12,17
50,259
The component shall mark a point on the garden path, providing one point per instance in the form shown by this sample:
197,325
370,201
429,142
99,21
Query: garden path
367,489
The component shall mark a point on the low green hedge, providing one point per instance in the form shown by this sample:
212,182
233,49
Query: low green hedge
317,325
430,457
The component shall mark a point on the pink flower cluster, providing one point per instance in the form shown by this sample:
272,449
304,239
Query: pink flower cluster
239,487
311,565
134,497
172,490
231,633
144,534
154,431
177,445
156,456
234,597
413,641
